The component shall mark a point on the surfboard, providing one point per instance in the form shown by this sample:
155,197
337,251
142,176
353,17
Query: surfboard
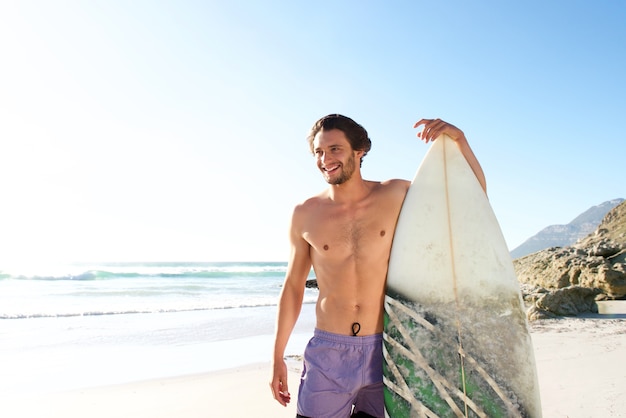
456,340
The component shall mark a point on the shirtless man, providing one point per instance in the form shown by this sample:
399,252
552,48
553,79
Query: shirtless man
345,233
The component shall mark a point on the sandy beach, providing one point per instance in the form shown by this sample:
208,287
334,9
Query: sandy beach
579,362
240,392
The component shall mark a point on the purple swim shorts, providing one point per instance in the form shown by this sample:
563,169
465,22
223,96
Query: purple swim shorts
340,372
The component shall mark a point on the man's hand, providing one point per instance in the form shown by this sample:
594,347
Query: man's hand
279,386
433,128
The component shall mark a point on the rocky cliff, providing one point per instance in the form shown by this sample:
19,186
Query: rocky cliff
568,280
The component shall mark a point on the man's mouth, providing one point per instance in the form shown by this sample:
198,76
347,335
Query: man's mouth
331,168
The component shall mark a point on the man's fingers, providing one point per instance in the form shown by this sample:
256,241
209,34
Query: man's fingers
281,393
421,122
434,128
284,392
431,128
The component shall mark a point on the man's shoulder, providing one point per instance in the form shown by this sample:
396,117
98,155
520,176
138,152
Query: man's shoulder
393,185
396,182
312,202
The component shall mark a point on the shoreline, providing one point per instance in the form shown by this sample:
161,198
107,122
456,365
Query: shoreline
41,355
578,365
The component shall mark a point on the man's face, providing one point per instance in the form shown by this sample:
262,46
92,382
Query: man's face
334,156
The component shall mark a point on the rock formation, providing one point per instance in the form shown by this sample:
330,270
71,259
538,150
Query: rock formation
568,280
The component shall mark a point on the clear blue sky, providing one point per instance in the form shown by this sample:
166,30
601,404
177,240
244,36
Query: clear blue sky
175,130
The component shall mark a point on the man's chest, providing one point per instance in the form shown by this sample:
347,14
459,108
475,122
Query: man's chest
344,233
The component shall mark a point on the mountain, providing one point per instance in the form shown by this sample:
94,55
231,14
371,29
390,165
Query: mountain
564,235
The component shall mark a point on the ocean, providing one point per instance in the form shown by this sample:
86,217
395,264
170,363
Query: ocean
90,324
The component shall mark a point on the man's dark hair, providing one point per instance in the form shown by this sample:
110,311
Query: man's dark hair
356,134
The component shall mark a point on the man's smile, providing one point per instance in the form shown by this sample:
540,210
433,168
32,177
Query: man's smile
331,168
